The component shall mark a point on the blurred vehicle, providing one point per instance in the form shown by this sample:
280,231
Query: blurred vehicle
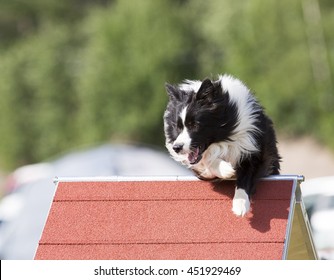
26,174
318,196
24,210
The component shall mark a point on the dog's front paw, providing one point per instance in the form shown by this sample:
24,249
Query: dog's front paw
226,171
240,204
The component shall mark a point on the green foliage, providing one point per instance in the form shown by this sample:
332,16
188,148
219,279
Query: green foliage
124,66
267,44
81,72
37,98
87,83
20,18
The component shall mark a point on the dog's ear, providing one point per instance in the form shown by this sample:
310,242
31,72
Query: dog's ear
172,91
206,91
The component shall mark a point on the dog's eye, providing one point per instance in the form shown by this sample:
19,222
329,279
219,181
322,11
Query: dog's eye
193,125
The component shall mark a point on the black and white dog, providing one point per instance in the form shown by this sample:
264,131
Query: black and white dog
219,130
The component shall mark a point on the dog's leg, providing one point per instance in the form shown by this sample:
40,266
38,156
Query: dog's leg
222,169
215,166
246,175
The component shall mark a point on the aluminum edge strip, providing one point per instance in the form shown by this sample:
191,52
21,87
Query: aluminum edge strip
288,231
124,178
160,178
307,224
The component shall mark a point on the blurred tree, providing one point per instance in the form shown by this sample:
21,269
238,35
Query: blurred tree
79,72
320,32
19,18
266,45
132,49
37,97
68,85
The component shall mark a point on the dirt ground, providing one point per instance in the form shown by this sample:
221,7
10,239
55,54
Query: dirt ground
306,157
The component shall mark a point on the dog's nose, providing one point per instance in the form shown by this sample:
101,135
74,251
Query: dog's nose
178,147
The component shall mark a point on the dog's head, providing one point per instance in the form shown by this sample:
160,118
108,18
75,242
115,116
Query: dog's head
196,116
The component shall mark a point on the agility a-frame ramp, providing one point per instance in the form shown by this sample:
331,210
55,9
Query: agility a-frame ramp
174,218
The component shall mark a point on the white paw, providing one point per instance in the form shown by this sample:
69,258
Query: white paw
226,171
240,204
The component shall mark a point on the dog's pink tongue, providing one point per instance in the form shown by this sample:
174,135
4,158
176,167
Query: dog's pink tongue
193,155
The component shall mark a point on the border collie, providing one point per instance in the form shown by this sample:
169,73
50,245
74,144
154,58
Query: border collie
220,131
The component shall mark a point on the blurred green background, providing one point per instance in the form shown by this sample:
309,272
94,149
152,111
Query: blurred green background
81,72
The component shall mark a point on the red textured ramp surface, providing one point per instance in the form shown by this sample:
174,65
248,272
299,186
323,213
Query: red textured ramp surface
164,220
